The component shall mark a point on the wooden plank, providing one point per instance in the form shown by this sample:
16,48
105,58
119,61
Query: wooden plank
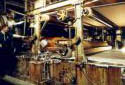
35,71
96,75
114,76
103,76
81,78
62,72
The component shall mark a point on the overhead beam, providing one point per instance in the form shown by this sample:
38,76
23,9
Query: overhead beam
103,18
110,4
15,4
17,12
52,7
101,21
86,23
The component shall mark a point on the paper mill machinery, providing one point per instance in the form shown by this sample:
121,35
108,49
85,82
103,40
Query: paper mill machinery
71,43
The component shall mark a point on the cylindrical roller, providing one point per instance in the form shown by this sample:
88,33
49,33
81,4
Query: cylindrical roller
87,11
45,17
52,19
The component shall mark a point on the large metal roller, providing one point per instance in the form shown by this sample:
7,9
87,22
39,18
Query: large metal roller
3,20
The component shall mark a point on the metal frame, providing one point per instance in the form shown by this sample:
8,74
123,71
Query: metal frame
80,57
14,4
106,21
113,4
52,7
78,16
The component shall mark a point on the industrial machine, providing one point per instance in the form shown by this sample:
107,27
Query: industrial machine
68,42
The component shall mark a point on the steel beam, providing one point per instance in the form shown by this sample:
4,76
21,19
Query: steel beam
79,30
15,4
101,21
80,56
52,7
17,12
106,21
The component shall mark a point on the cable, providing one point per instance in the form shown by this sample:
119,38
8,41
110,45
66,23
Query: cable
44,24
88,79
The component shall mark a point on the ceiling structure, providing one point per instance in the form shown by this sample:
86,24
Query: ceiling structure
114,13
110,13
17,5
105,10
91,22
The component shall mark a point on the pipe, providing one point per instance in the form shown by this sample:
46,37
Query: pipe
9,2
101,21
52,19
17,12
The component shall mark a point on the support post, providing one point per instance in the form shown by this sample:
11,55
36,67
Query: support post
4,6
37,29
79,31
25,17
80,57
